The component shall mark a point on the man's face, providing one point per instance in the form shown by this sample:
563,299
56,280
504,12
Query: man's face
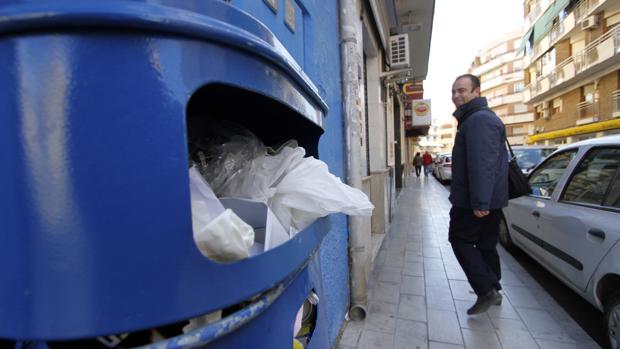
462,91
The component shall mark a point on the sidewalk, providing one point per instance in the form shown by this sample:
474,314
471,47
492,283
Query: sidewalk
418,294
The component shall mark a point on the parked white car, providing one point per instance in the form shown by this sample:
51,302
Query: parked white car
528,156
571,223
436,163
443,168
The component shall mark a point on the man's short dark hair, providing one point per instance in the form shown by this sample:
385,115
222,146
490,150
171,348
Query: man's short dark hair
475,82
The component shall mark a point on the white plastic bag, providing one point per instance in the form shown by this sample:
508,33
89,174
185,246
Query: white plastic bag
219,233
308,191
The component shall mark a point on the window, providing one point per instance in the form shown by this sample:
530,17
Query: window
517,65
593,177
546,177
518,87
520,108
613,196
548,62
587,93
556,106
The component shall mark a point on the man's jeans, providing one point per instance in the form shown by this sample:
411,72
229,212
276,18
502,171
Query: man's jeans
474,242
427,170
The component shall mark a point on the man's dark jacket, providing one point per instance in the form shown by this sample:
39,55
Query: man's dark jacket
479,158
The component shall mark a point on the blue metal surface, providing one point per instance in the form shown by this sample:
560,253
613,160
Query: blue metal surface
271,317
211,21
95,228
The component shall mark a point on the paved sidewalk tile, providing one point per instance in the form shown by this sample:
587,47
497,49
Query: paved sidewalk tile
418,295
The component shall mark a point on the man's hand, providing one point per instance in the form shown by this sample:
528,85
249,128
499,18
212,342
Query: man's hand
480,214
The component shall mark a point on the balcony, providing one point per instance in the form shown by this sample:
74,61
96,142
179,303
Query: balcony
495,62
598,55
518,118
586,113
615,98
585,8
505,99
535,12
559,30
515,76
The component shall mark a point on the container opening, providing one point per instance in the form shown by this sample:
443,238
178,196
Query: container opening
272,121
306,319
134,339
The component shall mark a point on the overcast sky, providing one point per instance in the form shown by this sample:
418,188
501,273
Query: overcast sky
461,29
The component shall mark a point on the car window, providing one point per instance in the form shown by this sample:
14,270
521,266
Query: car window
546,152
592,178
613,196
527,158
544,179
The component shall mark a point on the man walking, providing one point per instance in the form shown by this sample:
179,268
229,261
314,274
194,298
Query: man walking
417,163
427,161
478,192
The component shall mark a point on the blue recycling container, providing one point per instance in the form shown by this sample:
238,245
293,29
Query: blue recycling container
95,220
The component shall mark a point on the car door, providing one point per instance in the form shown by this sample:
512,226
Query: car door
580,228
523,214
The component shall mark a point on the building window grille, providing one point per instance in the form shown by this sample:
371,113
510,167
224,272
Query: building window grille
615,96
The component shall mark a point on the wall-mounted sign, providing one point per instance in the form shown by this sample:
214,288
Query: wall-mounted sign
412,88
421,107
289,12
417,113
273,5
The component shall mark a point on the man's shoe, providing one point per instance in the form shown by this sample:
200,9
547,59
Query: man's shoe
483,303
498,301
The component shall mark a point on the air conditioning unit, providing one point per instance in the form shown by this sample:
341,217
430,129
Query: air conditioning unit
399,51
590,22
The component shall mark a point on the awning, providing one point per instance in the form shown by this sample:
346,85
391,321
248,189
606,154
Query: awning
525,39
545,22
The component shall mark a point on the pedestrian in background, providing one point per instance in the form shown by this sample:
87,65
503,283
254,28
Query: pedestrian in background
427,161
417,163
478,192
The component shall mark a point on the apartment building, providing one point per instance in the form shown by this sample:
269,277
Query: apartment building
447,132
572,69
500,70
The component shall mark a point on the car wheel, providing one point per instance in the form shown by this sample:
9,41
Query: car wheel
612,320
504,235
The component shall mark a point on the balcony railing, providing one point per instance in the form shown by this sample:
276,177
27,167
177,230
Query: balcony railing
586,112
585,7
600,50
535,11
615,97
505,99
585,109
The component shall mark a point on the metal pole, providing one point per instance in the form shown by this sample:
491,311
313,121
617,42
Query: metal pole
351,62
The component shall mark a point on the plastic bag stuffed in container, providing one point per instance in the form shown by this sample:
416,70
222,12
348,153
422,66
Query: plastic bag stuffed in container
297,189
219,233
308,191
227,156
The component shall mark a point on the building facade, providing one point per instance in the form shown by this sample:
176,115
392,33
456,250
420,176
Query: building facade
384,48
572,69
501,75
447,132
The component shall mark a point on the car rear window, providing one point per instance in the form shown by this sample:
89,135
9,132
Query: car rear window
592,179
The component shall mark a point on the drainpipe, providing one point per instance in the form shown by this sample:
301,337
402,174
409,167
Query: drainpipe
351,64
